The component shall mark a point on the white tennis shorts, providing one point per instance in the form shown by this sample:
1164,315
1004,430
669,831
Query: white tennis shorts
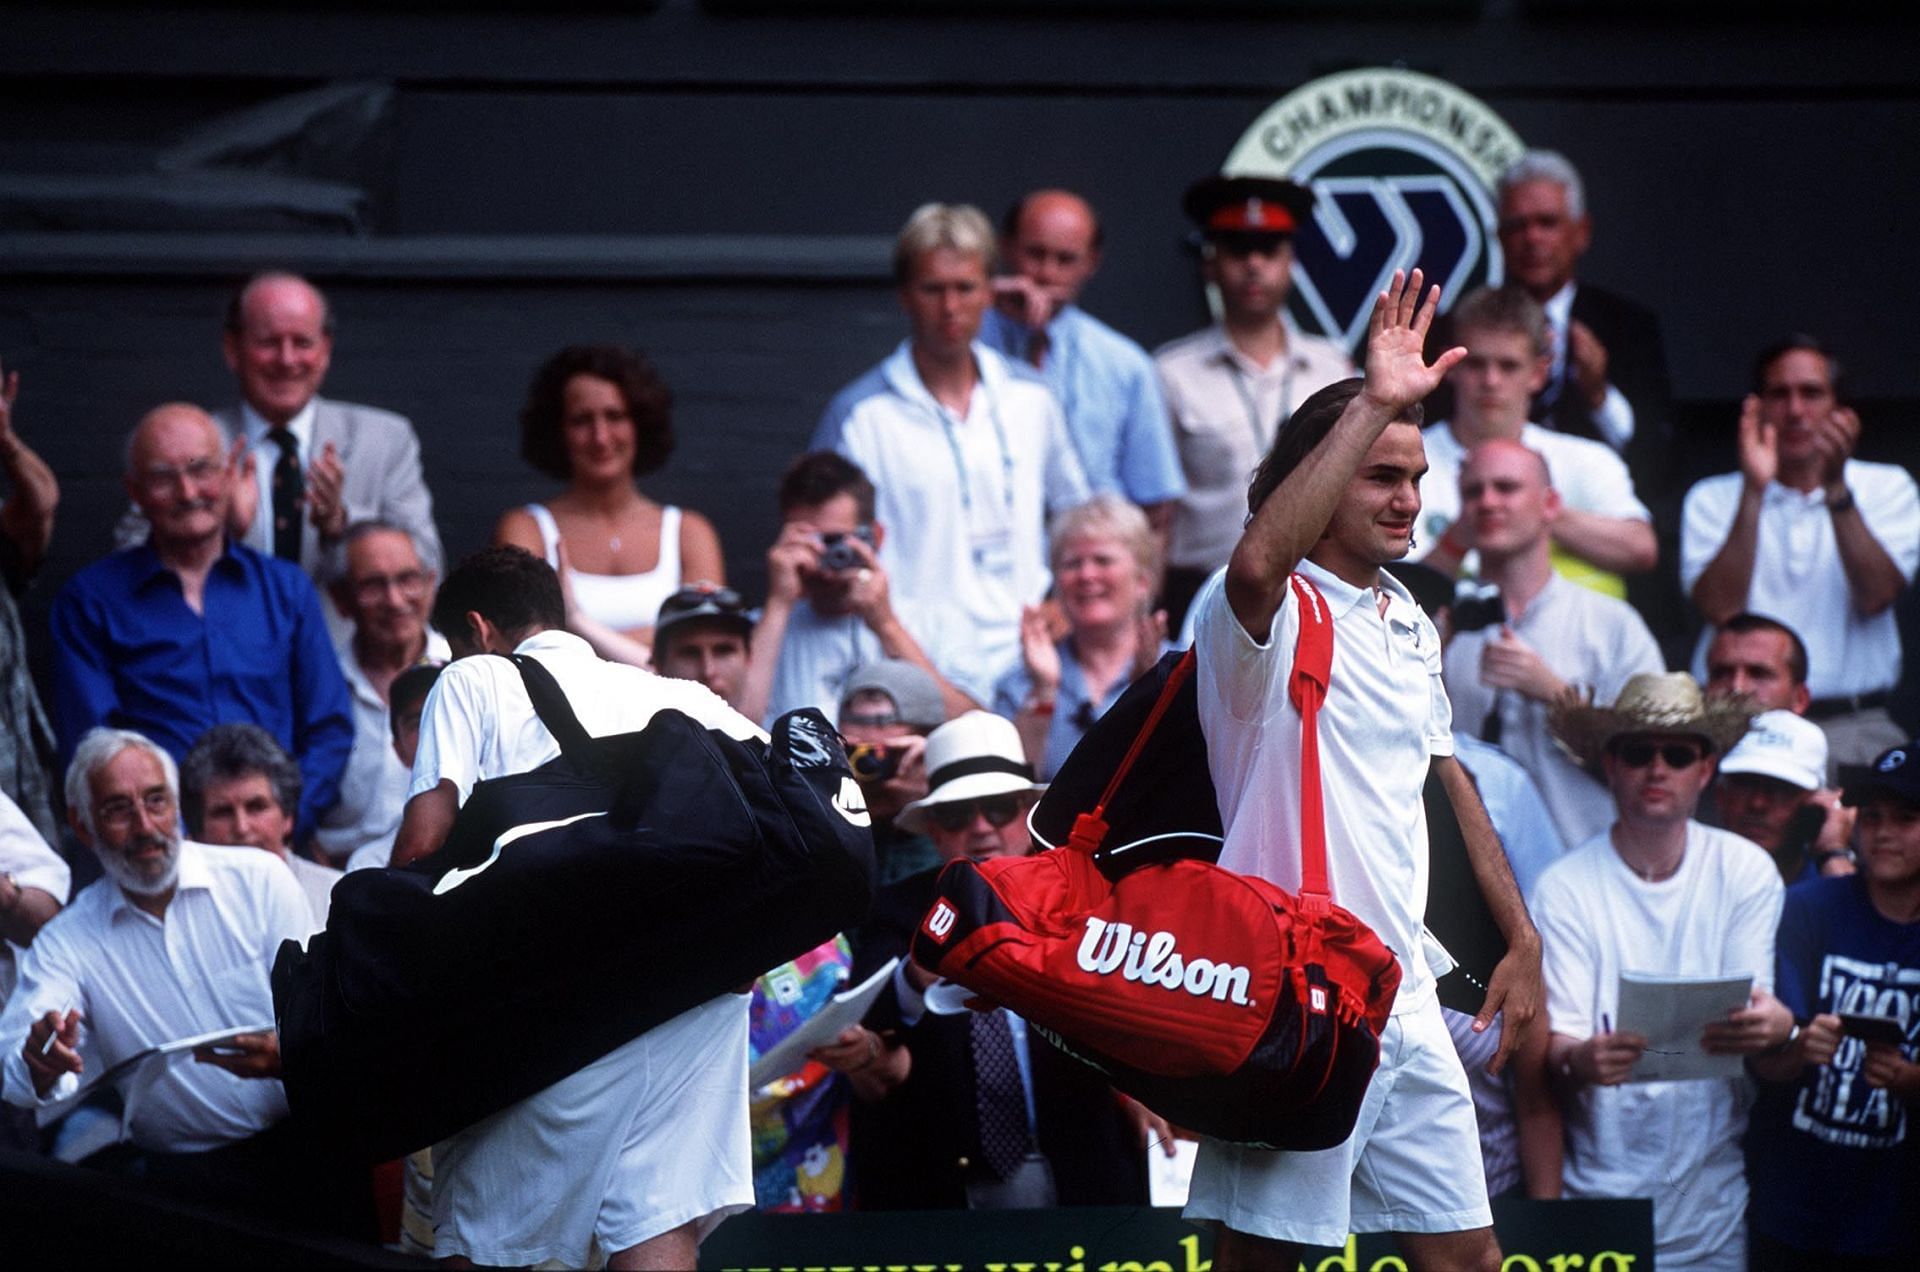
1412,1163
650,1136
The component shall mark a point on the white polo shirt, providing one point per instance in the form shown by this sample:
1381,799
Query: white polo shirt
479,723
1797,574
1385,717
140,982
965,500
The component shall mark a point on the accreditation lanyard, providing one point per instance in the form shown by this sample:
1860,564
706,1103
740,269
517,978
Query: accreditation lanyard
991,537
1262,440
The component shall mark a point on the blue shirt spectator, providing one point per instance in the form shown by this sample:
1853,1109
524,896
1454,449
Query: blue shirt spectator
1110,395
1515,807
190,629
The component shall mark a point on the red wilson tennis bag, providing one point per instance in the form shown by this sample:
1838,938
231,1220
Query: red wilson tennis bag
1216,999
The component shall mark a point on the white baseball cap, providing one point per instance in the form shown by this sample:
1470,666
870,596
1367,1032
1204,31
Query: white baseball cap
1782,745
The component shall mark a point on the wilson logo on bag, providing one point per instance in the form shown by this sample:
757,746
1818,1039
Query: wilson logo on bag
940,921
1218,1000
1152,960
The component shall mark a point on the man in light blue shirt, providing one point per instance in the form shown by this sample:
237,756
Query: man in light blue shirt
1105,382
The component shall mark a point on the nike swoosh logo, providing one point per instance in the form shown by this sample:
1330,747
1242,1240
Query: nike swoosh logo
460,874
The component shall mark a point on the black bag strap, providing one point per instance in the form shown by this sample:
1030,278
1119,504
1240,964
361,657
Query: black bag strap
550,704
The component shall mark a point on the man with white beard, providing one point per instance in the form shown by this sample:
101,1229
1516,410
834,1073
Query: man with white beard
176,942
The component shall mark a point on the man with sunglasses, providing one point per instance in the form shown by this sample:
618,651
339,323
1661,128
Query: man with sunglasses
1231,387
1658,893
986,1118
193,628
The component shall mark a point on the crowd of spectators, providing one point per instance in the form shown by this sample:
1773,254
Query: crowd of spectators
992,533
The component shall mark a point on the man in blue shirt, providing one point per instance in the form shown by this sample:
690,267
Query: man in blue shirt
189,629
1106,383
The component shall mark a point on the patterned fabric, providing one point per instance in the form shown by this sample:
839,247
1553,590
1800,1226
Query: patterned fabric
799,1121
997,1097
26,736
289,486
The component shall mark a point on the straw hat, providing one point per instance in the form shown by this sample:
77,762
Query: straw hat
1664,702
969,757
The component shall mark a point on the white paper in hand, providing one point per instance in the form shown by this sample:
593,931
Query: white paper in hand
1169,1178
843,1009
1669,1012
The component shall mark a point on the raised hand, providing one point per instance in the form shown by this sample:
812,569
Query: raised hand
1759,445
1589,360
1149,634
1834,440
1507,662
326,508
793,558
1023,300
1398,374
1038,652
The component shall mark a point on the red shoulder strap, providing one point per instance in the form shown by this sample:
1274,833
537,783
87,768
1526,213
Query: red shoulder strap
1090,828
1312,669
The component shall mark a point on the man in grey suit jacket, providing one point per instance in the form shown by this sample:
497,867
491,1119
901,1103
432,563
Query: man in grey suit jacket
318,466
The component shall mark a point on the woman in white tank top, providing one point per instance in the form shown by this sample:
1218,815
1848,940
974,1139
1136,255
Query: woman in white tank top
598,416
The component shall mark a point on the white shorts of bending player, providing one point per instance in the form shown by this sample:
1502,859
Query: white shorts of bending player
1412,1163
650,1136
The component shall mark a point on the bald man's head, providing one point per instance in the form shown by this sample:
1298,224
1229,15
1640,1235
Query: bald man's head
179,474
1507,499
279,344
1053,238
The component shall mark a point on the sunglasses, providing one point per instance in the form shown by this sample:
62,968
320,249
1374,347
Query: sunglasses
1678,755
997,809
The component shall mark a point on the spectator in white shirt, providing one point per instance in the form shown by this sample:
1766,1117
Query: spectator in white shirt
968,454
1502,678
830,605
237,787
1658,894
382,585
176,942
1807,533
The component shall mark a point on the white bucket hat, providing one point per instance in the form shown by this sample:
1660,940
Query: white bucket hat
971,756
1782,745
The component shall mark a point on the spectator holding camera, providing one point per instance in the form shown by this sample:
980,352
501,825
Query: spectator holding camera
1504,673
885,714
830,606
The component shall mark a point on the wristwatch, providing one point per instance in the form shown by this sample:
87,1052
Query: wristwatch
1842,501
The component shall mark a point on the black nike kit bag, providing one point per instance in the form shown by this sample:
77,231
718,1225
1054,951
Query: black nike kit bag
571,909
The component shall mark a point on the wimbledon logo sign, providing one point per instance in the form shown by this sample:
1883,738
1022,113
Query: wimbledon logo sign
1402,167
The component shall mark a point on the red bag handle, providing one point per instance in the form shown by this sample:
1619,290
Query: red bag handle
1307,689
